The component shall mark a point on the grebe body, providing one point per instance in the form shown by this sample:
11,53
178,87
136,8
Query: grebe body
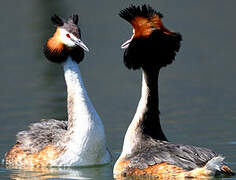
146,150
80,141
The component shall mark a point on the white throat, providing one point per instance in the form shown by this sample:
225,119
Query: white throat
85,142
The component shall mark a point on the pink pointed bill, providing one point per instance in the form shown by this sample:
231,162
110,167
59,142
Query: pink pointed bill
81,44
126,44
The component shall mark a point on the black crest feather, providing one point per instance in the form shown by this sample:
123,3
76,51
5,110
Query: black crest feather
145,11
57,20
71,25
75,18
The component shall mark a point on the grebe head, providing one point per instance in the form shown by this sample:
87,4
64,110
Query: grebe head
66,41
151,45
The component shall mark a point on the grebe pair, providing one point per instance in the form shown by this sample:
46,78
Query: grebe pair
81,140
146,150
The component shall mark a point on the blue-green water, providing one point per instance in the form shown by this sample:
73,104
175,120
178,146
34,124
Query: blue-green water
197,92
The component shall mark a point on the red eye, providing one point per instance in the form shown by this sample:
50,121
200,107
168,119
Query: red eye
67,35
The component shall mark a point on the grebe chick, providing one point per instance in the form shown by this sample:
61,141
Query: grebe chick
146,151
80,141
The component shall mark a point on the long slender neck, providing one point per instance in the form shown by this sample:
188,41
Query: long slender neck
79,106
84,142
146,122
149,120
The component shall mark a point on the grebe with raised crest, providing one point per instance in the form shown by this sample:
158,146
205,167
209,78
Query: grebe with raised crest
146,150
80,141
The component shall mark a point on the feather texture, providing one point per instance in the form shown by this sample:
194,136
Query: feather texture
41,134
184,156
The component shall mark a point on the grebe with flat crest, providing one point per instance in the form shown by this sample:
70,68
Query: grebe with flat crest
146,150
80,141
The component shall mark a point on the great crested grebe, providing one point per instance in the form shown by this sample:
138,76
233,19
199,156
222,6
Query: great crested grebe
146,151
80,141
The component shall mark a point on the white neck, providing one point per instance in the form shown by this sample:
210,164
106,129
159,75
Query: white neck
131,134
85,142
80,108
146,122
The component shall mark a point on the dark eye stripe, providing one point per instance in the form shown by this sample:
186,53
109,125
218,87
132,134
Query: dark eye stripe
76,34
73,29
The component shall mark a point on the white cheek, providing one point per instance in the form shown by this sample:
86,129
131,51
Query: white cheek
65,39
